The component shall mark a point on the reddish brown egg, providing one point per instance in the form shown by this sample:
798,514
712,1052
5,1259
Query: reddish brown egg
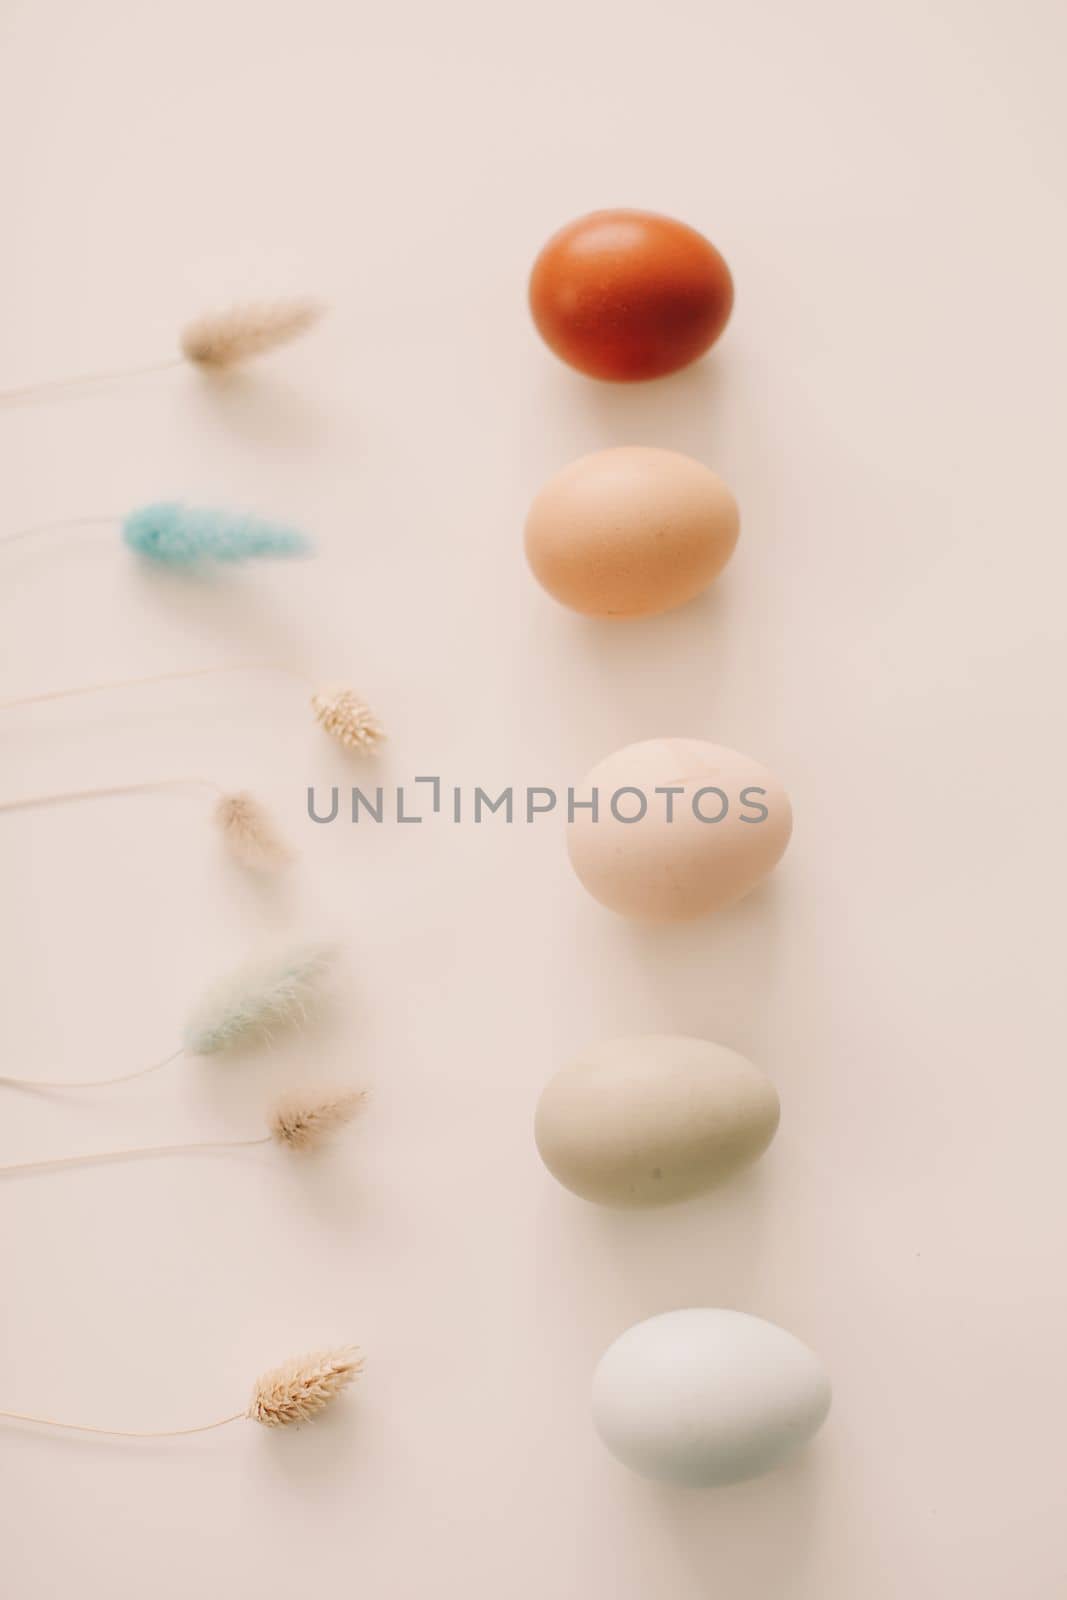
626,295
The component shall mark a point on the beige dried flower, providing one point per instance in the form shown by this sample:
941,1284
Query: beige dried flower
301,1388
224,339
250,834
343,714
305,1121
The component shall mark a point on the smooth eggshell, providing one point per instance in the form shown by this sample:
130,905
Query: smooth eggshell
627,295
630,532
666,871
705,1397
650,1120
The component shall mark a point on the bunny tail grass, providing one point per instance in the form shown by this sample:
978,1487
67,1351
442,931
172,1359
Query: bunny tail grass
303,1387
226,338
257,999
250,834
180,536
345,717
295,1392
305,1121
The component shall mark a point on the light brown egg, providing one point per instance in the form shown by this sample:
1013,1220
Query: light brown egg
651,1120
630,532
662,856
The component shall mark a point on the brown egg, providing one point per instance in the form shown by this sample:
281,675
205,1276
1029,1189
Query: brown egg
630,532
627,295
681,828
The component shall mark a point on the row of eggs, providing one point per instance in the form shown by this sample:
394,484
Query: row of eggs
633,532
699,1396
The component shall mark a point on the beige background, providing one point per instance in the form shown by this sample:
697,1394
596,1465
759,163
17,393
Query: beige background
885,183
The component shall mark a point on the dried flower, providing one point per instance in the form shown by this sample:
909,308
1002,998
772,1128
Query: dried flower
301,1388
178,535
343,714
226,338
250,834
295,1392
256,999
305,1121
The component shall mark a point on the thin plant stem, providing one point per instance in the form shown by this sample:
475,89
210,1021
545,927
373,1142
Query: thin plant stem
108,792
92,1083
57,385
58,527
91,1157
123,1433
155,677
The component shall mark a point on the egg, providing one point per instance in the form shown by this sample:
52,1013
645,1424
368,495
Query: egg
646,1121
704,1397
630,532
626,295
670,829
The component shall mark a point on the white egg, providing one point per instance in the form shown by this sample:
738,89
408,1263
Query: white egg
704,1397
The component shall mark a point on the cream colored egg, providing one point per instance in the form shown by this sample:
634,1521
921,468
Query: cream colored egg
674,828
650,1120
630,532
